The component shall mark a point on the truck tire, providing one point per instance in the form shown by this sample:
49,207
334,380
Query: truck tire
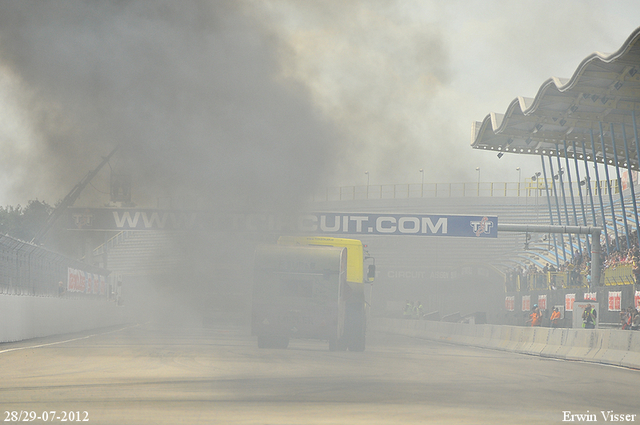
263,341
273,341
338,344
357,328
357,343
333,345
282,342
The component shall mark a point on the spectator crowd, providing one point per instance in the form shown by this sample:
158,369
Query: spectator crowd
577,271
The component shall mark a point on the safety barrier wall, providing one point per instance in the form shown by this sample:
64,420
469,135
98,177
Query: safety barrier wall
25,317
607,346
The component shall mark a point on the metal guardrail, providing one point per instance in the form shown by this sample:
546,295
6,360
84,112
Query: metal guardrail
550,280
621,274
28,269
117,239
527,189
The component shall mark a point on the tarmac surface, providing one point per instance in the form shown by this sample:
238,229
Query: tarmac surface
150,374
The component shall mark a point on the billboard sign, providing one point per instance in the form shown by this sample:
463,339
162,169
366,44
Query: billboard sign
510,303
526,303
335,224
615,303
542,302
569,301
400,224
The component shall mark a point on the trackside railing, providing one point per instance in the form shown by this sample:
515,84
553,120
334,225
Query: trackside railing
528,189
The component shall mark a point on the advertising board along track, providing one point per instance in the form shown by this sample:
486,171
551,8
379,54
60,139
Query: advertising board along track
114,219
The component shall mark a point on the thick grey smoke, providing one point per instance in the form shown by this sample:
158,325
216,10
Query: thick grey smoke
378,70
189,89
400,81
193,93
212,101
405,79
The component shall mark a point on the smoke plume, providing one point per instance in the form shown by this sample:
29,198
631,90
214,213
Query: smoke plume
190,92
193,94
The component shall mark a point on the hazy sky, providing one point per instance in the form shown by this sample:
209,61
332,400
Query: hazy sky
270,99
405,79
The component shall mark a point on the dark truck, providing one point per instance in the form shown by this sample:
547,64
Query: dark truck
303,290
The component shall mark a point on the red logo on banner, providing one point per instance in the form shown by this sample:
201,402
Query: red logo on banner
542,302
569,299
80,281
590,296
615,300
510,303
526,303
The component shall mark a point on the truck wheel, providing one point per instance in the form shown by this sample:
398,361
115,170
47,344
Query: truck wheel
338,345
333,345
273,341
263,341
357,328
282,342
342,344
357,343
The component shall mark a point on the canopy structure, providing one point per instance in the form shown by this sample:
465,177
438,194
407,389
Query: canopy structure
592,117
604,91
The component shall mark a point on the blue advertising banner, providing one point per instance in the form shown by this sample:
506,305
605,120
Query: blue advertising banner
114,219
400,224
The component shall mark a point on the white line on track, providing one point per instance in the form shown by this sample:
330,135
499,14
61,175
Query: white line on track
66,340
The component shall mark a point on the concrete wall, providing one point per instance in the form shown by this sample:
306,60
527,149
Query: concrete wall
25,317
607,346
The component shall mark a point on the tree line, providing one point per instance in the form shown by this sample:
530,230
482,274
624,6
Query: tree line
24,222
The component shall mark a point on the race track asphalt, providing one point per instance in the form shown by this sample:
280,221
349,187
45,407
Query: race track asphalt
155,374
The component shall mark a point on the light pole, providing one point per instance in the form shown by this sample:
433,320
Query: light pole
536,179
367,173
422,186
478,170
519,176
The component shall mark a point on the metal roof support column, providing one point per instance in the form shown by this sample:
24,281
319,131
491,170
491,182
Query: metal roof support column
604,221
573,202
588,183
631,184
546,186
584,212
624,213
606,173
596,260
555,194
635,133
564,200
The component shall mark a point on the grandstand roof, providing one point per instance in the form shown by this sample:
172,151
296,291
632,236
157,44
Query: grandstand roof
603,91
